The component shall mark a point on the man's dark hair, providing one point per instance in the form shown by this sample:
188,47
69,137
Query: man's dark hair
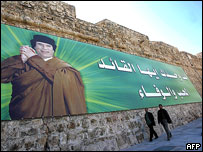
160,104
41,38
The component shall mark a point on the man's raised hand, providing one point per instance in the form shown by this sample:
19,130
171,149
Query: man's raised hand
26,52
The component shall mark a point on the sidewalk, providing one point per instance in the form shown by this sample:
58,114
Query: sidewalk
189,133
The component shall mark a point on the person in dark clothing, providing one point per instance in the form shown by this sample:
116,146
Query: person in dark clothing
164,119
149,118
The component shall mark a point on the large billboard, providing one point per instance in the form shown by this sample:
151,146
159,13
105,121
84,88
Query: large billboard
43,75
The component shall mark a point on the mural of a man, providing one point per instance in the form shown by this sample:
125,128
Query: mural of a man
42,84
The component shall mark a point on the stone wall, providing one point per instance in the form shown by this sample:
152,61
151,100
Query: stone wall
199,55
103,131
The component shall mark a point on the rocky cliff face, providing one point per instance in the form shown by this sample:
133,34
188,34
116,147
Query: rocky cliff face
103,131
199,55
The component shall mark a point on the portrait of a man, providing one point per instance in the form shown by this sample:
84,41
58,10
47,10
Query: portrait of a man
42,84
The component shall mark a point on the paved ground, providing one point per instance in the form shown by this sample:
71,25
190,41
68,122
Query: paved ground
189,133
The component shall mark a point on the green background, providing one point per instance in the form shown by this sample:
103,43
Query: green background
105,90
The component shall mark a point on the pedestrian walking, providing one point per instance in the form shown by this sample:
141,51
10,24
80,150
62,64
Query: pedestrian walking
149,118
164,119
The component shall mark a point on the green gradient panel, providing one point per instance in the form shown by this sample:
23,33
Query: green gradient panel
105,89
